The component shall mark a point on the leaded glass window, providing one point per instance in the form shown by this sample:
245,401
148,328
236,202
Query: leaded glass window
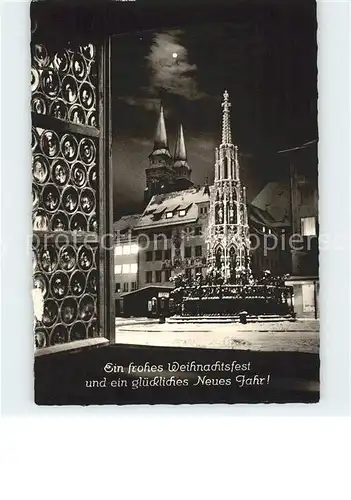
70,169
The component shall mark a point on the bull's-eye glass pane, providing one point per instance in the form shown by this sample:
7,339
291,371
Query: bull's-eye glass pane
64,193
64,82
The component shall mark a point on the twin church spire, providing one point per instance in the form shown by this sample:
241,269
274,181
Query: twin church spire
167,173
161,141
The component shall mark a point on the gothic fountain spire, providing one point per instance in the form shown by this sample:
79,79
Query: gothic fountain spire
228,243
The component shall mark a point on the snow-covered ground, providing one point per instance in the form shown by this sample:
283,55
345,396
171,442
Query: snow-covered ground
302,335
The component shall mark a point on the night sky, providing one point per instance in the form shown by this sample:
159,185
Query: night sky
266,60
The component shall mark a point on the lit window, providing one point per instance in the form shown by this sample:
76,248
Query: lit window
118,251
263,229
182,213
308,226
134,248
118,269
125,268
308,299
169,215
126,250
134,268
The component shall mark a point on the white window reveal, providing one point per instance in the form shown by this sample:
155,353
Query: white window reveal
118,250
308,226
125,268
118,269
134,268
126,249
182,213
169,215
308,297
134,249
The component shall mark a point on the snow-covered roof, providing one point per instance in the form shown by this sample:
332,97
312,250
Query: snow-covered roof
274,199
188,200
263,217
126,222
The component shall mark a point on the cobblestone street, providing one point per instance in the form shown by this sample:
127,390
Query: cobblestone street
299,336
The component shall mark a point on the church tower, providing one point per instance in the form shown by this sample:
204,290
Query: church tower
159,174
181,167
228,242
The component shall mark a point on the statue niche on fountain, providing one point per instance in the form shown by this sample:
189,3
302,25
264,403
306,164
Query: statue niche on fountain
219,254
219,213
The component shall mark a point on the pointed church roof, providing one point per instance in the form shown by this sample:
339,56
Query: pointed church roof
160,140
180,150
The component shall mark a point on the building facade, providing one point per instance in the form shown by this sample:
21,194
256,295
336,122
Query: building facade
302,163
270,230
126,260
172,236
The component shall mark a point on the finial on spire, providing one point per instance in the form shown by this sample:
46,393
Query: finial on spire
226,133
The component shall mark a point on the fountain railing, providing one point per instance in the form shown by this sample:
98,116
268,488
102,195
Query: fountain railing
226,299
